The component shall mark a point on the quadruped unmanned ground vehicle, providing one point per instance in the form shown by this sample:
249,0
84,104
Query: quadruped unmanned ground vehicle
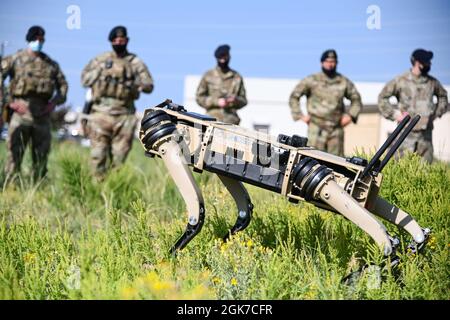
285,165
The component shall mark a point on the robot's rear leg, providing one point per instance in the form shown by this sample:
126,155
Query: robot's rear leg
243,203
174,160
400,218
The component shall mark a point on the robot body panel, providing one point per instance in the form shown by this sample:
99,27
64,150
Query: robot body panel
285,165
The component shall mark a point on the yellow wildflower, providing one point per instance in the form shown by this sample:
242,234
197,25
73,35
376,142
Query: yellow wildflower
128,293
29,257
310,295
161,285
432,243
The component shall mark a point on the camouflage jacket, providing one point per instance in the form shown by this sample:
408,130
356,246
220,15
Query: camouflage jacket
34,76
116,82
215,85
415,96
325,99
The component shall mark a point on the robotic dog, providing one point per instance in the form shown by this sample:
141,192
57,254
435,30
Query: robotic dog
285,165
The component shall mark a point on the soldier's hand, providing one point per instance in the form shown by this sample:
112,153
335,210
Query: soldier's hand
400,116
345,120
231,100
306,119
84,128
18,106
222,102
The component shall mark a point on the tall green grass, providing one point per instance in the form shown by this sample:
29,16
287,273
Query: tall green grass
71,237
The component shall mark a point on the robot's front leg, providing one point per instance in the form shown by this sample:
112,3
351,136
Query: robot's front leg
316,182
174,160
400,218
336,197
243,203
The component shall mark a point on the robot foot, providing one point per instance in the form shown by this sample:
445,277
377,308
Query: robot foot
415,247
392,260
191,231
242,222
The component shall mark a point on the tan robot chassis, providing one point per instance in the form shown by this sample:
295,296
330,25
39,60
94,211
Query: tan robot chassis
286,165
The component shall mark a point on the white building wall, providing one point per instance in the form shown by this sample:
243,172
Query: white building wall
268,105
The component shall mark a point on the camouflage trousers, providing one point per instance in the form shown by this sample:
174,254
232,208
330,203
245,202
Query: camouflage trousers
23,129
225,115
331,141
419,142
111,139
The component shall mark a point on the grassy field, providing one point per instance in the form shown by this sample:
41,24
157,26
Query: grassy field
72,238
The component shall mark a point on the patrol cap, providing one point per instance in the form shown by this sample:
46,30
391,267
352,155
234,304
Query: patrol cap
33,32
222,50
328,54
421,55
118,31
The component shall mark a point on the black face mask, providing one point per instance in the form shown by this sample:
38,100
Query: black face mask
330,73
119,48
424,70
224,65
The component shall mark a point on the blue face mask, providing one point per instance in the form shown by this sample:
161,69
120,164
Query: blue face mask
35,46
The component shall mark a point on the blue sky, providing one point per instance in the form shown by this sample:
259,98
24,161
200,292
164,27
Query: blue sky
280,39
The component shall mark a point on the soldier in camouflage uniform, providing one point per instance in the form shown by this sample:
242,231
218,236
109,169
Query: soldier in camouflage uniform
414,91
221,90
325,92
36,86
116,78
